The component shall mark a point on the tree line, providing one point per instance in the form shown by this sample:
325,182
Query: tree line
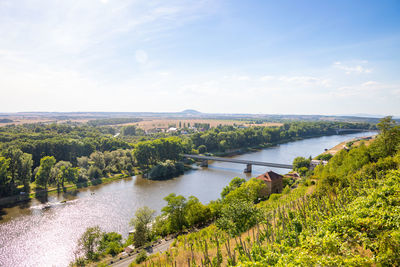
53,154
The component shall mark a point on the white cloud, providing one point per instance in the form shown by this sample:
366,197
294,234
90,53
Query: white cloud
352,69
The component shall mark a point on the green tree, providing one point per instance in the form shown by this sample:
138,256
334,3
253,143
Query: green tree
5,176
110,243
143,217
43,173
98,160
129,130
175,212
88,243
389,137
15,156
196,212
25,171
237,217
235,183
300,162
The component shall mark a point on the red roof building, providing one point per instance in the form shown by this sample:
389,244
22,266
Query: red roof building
274,182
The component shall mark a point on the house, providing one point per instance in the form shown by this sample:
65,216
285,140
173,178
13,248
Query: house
314,163
172,130
130,249
274,182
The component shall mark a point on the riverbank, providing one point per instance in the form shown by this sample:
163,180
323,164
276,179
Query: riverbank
354,142
54,190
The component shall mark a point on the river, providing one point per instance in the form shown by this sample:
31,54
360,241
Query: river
45,234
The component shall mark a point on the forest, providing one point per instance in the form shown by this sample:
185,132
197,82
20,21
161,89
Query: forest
34,157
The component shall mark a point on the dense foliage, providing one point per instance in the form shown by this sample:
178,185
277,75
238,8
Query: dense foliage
225,138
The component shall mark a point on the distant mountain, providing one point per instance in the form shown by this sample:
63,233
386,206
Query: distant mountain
191,111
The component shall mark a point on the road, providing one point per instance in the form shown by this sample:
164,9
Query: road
163,246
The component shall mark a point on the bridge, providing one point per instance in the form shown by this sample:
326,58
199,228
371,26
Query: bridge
248,163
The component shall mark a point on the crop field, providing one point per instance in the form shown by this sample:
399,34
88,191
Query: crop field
166,123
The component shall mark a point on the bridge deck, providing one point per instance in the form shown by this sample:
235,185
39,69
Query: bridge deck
240,161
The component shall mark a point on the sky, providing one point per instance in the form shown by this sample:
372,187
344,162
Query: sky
260,57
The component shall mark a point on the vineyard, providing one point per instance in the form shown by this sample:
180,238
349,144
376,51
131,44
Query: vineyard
351,217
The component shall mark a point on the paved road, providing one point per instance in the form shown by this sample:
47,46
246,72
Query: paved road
163,246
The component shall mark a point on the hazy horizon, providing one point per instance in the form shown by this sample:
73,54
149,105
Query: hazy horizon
254,57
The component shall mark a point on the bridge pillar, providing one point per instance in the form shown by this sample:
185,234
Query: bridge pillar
248,168
204,163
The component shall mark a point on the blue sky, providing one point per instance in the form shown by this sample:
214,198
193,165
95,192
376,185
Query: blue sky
286,57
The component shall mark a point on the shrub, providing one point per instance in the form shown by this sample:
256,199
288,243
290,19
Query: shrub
141,257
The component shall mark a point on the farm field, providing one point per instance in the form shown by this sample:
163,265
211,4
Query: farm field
166,123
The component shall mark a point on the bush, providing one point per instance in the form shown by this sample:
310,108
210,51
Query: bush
94,172
141,257
326,157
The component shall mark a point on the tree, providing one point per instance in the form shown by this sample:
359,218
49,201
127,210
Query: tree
25,171
43,173
196,212
235,183
98,160
237,217
4,176
83,162
110,243
94,172
15,156
250,191
143,217
389,137
300,162
175,212
129,130
89,242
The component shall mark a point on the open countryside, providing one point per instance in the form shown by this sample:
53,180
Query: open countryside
199,133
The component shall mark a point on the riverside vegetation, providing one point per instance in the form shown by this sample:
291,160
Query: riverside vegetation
46,157
344,213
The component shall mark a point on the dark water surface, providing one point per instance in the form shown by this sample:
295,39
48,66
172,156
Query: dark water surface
45,234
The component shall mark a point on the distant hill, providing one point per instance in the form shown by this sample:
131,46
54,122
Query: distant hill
191,111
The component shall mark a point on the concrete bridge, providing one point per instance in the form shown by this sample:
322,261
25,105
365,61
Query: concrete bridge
248,163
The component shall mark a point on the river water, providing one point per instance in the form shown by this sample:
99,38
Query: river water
45,234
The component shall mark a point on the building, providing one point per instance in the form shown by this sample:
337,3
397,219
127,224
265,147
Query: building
314,163
130,249
274,182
